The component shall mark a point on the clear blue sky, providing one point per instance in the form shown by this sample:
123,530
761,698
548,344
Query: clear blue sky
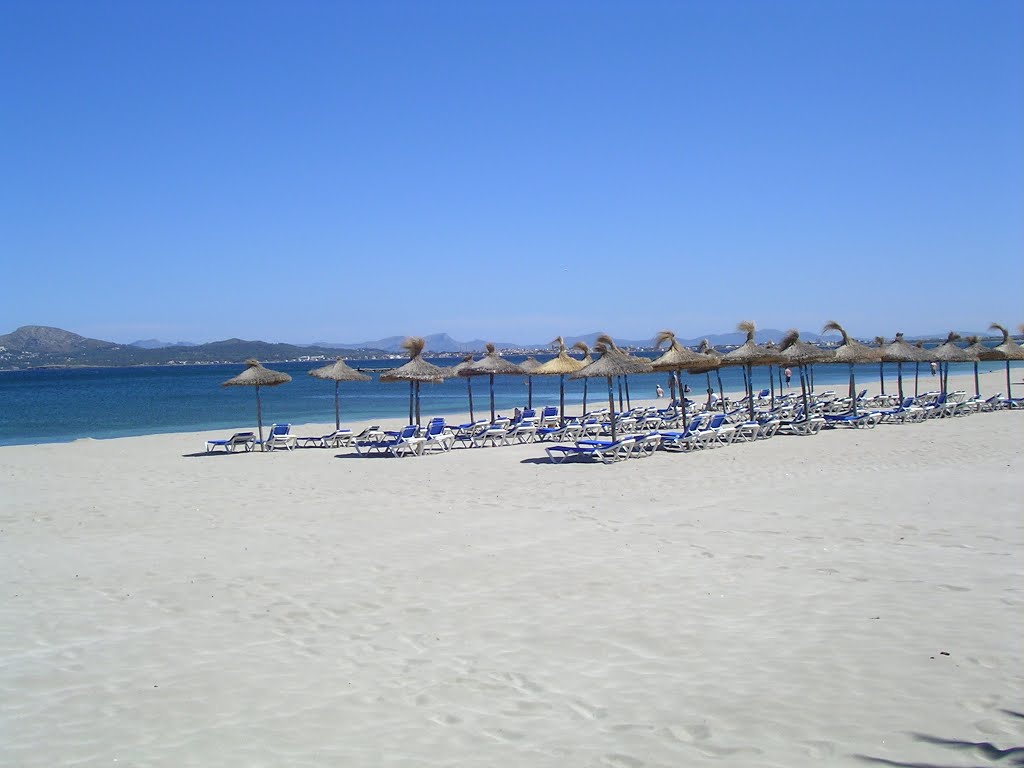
336,171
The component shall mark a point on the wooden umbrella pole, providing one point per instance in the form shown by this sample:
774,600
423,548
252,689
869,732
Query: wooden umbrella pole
337,408
561,400
750,389
412,394
899,379
611,405
620,393
259,415
629,405
853,390
492,397
977,386
1009,391
917,369
682,398
710,390
469,389
803,391
721,389
529,391
417,403
584,400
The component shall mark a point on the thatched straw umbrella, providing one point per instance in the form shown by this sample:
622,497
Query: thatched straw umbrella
948,353
676,359
612,362
416,371
1007,351
453,372
529,365
255,375
338,372
792,351
851,352
491,365
748,355
900,352
559,366
711,360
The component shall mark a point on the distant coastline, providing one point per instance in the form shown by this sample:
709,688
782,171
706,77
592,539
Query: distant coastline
37,347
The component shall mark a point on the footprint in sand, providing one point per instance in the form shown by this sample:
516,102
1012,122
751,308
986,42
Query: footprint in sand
953,588
587,711
622,761
690,734
994,728
446,719
819,749
984,704
526,708
503,734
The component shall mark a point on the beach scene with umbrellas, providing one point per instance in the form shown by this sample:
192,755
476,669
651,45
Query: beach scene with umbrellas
612,429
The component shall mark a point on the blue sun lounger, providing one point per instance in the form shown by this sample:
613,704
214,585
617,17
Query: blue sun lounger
247,440
396,445
604,451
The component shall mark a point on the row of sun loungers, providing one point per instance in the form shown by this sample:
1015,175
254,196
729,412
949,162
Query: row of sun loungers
643,430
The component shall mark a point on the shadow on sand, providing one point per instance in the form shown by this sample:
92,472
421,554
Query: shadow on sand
1012,756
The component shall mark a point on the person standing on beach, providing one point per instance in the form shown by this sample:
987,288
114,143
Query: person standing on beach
659,390
789,375
935,367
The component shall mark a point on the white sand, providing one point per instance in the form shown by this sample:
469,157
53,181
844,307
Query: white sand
785,603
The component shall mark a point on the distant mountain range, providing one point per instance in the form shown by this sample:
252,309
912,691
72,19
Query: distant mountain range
157,344
34,346
442,342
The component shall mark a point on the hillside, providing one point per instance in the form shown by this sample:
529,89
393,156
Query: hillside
36,346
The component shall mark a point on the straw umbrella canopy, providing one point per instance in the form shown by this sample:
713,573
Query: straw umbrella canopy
338,372
559,366
453,372
1007,351
529,365
851,352
416,371
948,353
900,352
612,362
748,355
492,364
255,375
792,351
676,358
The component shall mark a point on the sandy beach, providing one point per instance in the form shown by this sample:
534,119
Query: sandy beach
852,598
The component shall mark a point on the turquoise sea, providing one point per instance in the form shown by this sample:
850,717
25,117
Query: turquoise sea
57,405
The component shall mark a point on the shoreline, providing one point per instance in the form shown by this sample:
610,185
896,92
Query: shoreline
992,381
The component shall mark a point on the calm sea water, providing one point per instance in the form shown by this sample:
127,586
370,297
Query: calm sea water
57,405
